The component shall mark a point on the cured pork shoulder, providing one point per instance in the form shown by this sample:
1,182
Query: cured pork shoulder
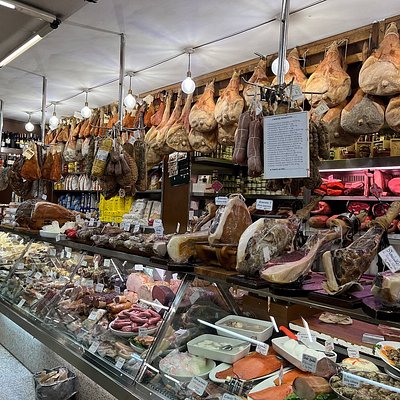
330,79
380,74
392,114
260,78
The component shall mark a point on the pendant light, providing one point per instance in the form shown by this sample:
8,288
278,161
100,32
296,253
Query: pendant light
188,84
29,127
53,121
129,100
275,66
86,112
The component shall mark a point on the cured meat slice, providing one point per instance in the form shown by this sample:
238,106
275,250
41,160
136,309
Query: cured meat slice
227,111
380,73
309,387
178,134
201,117
363,114
272,393
330,79
290,376
392,114
230,222
252,366
344,267
182,247
260,78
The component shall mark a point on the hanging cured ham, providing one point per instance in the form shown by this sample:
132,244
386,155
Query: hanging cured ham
160,143
392,114
260,78
295,72
380,74
178,134
330,79
159,107
227,111
364,114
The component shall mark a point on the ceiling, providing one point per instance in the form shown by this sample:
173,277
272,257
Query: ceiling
73,57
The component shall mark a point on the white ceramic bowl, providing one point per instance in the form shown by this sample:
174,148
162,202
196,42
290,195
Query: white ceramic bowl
210,366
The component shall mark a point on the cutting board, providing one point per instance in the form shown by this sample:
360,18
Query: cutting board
350,333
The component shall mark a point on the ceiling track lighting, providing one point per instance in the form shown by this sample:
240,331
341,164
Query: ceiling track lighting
54,121
29,10
29,127
129,100
86,112
188,86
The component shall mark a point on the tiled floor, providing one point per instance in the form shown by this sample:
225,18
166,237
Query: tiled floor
15,380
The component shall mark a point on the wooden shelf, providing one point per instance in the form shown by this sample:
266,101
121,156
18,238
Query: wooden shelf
360,163
250,196
9,150
76,191
149,193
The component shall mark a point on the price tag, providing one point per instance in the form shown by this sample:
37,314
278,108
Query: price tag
391,258
99,288
321,109
62,254
44,196
136,228
266,253
89,283
94,346
88,215
21,303
117,289
107,262
309,363
92,316
127,226
119,362
353,352
38,275
274,323
84,263
139,267
156,305
29,273
228,396
58,237
29,281
68,249
143,331
91,222
68,255
159,230
329,346
303,336
20,265
262,349
194,297
64,278
198,385
294,92
52,252
349,380
264,205
28,153
221,201
157,222
191,215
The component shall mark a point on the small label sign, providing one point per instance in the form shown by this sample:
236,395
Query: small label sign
309,363
391,258
329,346
21,303
321,109
194,297
20,265
38,275
99,288
44,196
136,228
119,362
221,201
262,349
353,352
349,380
198,385
107,262
303,336
89,283
127,226
228,396
264,205
92,316
117,289
294,92
157,305
94,346
29,281
139,267
91,222
52,252
143,331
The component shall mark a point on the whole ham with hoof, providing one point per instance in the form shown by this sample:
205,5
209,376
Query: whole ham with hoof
344,267
380,73
227,111
329,79
260,78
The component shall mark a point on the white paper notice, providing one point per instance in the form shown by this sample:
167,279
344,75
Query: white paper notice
391,258
286,150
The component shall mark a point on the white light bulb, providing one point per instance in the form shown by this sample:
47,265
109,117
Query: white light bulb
129,101
188,85
275,66
29,126
53,121
86,112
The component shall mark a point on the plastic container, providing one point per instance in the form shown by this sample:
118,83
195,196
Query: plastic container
226,356
262,336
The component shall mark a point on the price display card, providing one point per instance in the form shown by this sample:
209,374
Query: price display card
286,148
198,385
309,363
